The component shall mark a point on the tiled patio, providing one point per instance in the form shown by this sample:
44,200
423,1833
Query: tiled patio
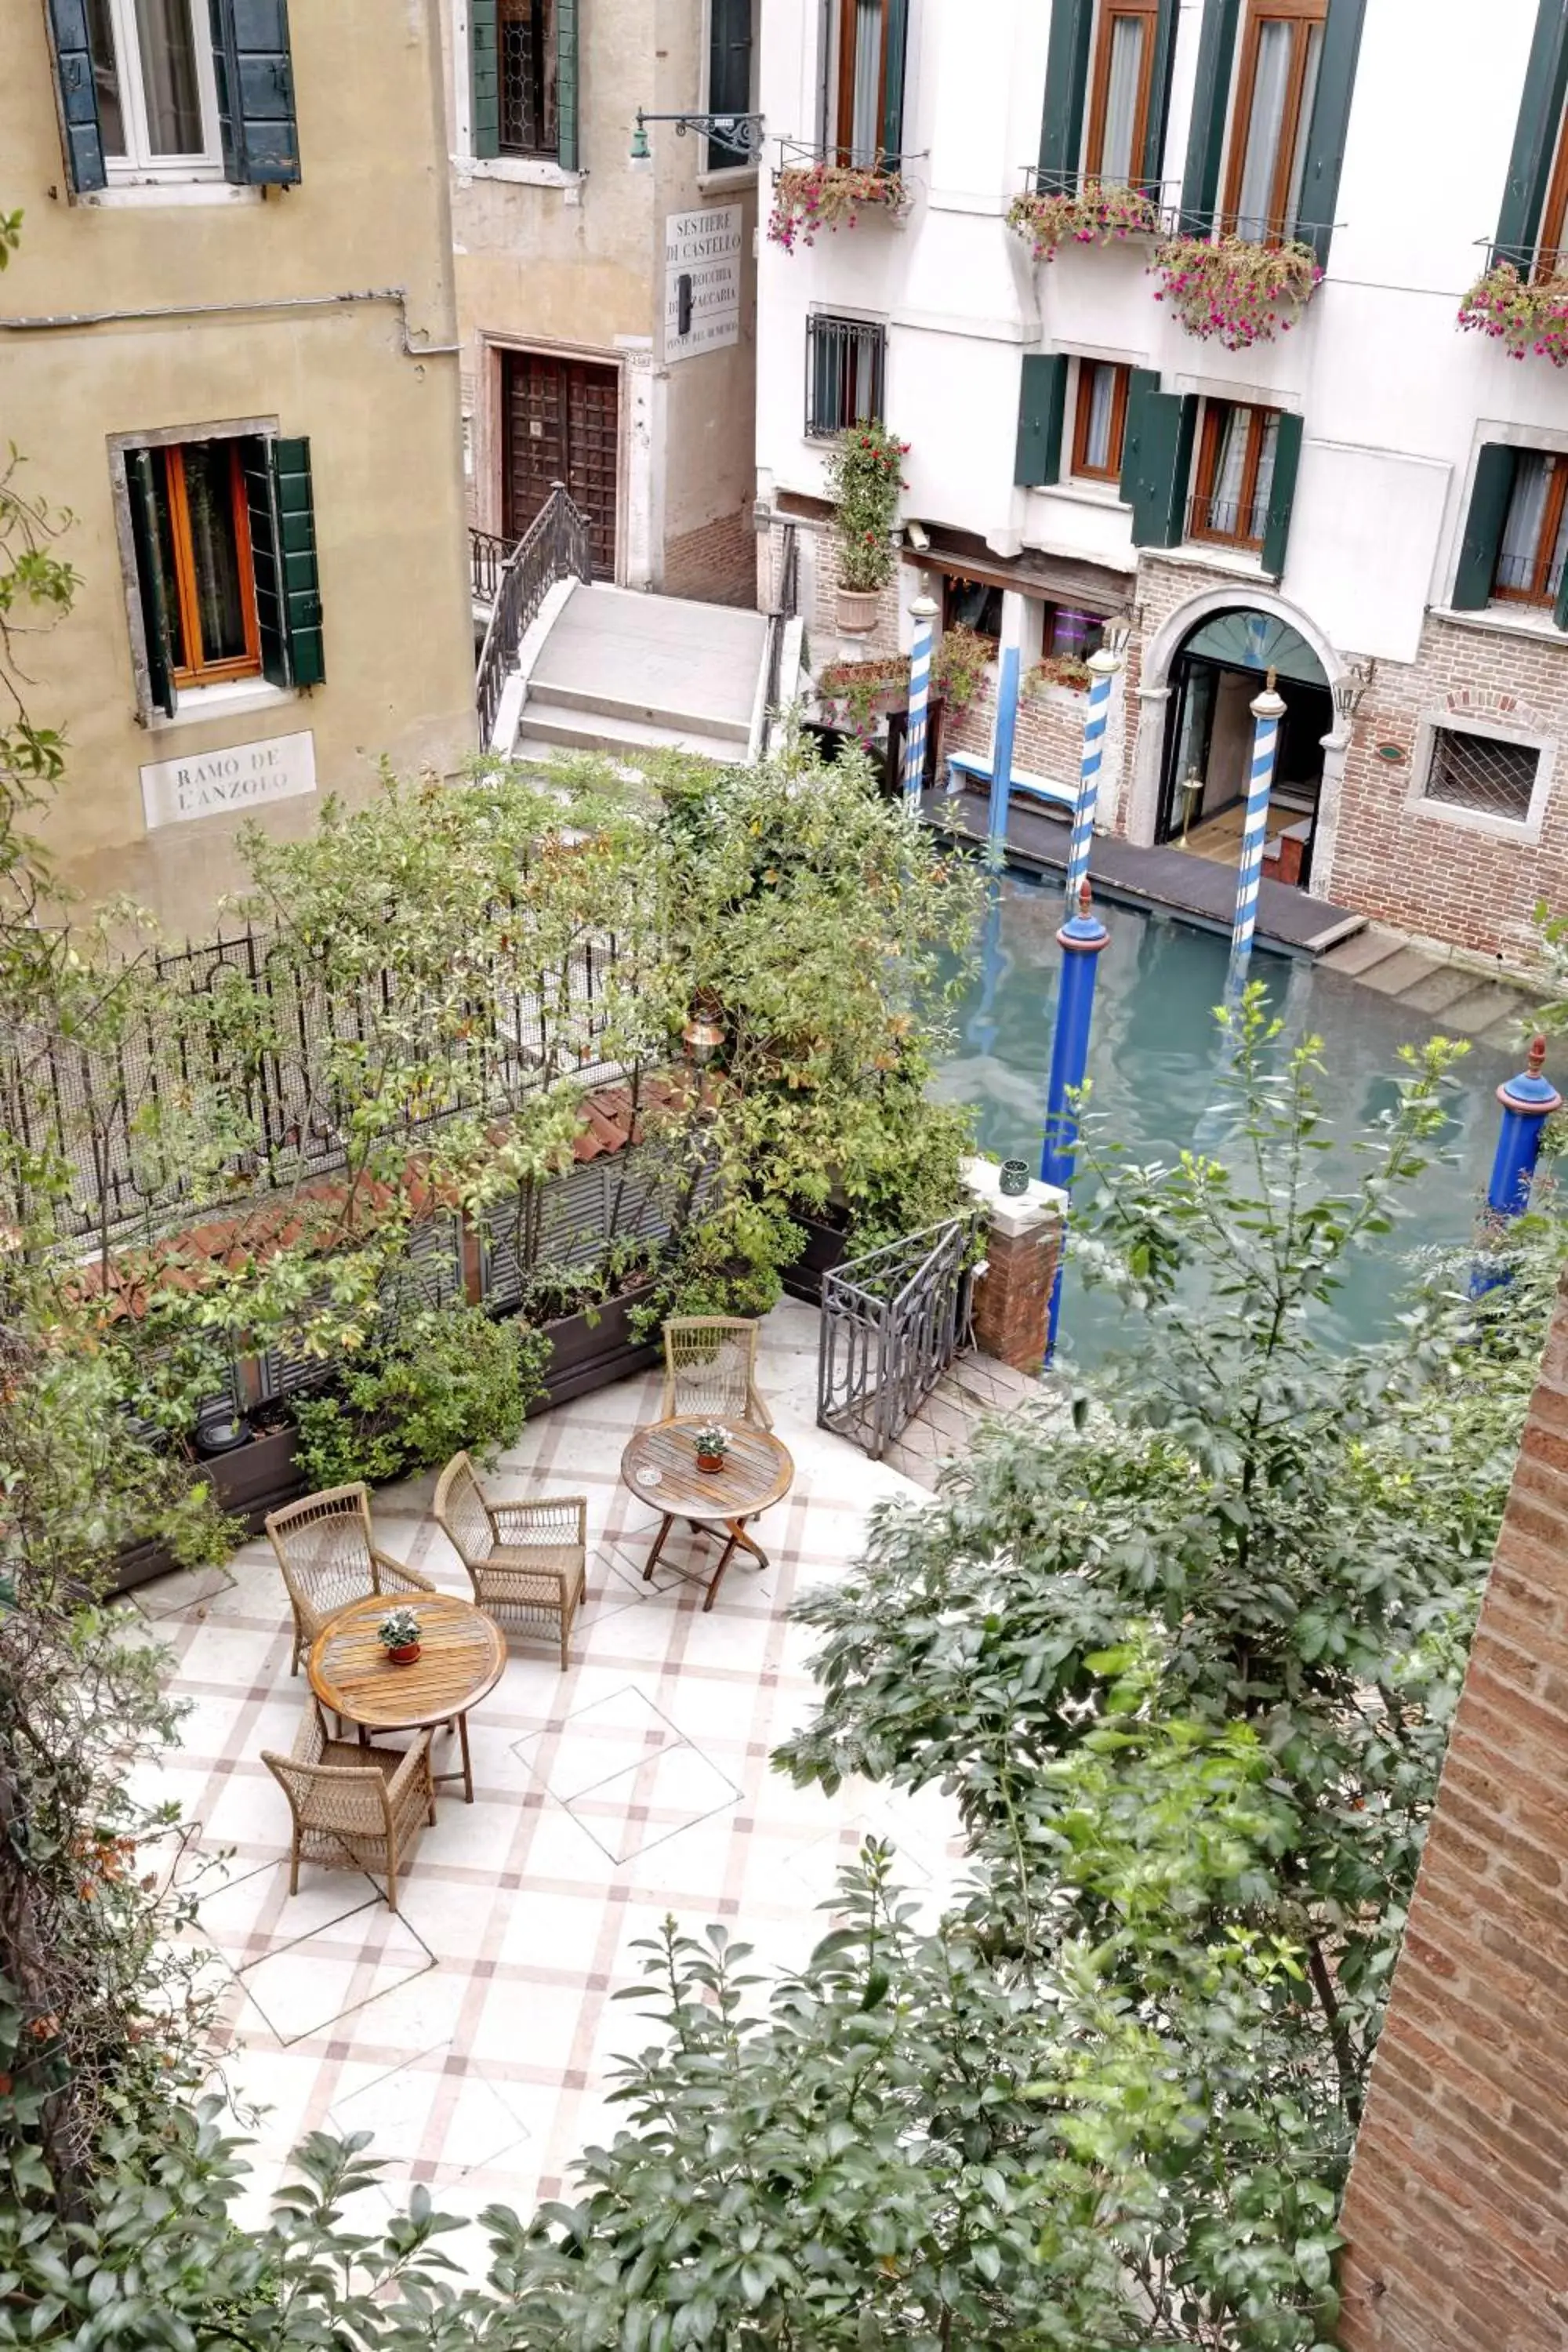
475,2033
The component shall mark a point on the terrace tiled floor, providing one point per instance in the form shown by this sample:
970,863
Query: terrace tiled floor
475,2033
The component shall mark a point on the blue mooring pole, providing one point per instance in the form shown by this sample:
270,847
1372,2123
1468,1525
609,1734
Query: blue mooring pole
1005,732
1081,938
1528,1102
923,613
1103,668
1268,710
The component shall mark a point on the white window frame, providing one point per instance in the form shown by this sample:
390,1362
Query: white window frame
738,174
1523,832
141,167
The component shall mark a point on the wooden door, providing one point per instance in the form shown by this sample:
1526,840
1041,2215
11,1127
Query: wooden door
562,424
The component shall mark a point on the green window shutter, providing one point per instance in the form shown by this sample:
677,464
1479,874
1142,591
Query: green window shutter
568,144
1158,460
1330,121
897,43
1535,140
1067,79
484,79
729,72
76,95
150,580
283,557
1211,103
1282,494
1042,409
1484,527
255,73
1154,165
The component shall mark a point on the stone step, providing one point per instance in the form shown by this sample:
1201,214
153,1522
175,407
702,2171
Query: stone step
1357,956
550,725
600,702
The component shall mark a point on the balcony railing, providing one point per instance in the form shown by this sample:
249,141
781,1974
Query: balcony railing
1228,522
799,154
1168,217
486,560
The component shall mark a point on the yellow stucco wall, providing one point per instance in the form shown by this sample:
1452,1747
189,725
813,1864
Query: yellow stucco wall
367,381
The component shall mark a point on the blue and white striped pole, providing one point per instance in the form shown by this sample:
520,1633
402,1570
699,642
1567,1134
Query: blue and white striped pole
923,613
1267,712
1103,668
1082,938
1005,730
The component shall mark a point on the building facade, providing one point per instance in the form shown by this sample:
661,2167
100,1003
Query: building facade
228,346
1337,482
608,304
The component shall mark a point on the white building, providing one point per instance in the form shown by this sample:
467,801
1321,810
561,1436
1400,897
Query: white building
1372,502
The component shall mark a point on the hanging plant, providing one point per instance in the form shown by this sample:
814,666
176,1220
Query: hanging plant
1236,290
1057,670
865,475
959,667
863,690
1109,210
1528,316
811,196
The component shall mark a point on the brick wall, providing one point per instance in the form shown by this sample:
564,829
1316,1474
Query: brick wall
717,563
1049,738
1457,2213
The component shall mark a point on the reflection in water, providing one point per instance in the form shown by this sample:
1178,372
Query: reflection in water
1152,1067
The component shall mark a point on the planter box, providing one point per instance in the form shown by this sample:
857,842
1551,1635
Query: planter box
825,1247
247,1484
856,610
587,1354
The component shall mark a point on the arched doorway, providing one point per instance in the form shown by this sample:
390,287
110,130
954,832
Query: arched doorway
1214,676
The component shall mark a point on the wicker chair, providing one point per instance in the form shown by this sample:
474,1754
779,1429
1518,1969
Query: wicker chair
353,1807
326,1548
527,1562
710,1368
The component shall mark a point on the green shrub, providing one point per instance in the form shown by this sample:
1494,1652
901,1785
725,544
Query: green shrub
447,1380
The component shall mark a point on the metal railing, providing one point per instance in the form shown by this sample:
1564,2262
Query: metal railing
779,619
1167,216
554,547
846,360
892,1322
488,554
1228,523
796,154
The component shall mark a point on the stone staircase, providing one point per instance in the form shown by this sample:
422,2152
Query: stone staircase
974,1389
613,670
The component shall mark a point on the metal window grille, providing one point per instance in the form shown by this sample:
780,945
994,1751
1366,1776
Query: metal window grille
1477,772
526,31
846,360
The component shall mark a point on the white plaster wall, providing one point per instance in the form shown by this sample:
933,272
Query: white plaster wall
1395,397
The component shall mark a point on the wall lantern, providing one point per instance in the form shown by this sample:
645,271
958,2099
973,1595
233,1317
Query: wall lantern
741,134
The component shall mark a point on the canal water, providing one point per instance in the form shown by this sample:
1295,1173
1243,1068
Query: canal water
1153,1059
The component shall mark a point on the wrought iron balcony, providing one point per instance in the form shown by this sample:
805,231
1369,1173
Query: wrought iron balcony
1167,216
1228,522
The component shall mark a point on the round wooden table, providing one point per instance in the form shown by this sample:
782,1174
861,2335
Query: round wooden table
659,1465
462,1655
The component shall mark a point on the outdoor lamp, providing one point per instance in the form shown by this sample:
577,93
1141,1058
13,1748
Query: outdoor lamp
1117,635
742,134
641,155
701,1038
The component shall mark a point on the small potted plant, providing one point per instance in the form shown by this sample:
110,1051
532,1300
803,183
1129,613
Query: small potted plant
712,1443
399,1636
865,475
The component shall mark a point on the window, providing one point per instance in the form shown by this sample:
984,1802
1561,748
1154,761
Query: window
1481,774
864,81
1535,542
1121,90
525,33
1276,86
157,103
846,361
1235,478
225,572
1554,212
972,604
728,75
1068,633
1100,425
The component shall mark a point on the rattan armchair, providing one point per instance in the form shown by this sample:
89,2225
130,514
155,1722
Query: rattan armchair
528,1562
327,1550
353,1807
710,1368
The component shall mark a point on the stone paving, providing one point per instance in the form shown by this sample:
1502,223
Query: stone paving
475,2032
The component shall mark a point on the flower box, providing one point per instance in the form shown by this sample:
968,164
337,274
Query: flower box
1234,289
1102,212
826,1245
1528,316
595,1348
809,197
255,1478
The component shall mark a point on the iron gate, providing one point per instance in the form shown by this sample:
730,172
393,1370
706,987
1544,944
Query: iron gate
892,1322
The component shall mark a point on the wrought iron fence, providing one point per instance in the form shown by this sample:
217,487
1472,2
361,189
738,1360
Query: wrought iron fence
487,556
554,547
892,1322
242,1037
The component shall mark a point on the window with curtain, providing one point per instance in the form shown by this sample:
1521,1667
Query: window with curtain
1121,90
152,71
1099,420
204,553
1549,253
1233,476
1534,549
525,42
846,360
860,67
729,52
1276,86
